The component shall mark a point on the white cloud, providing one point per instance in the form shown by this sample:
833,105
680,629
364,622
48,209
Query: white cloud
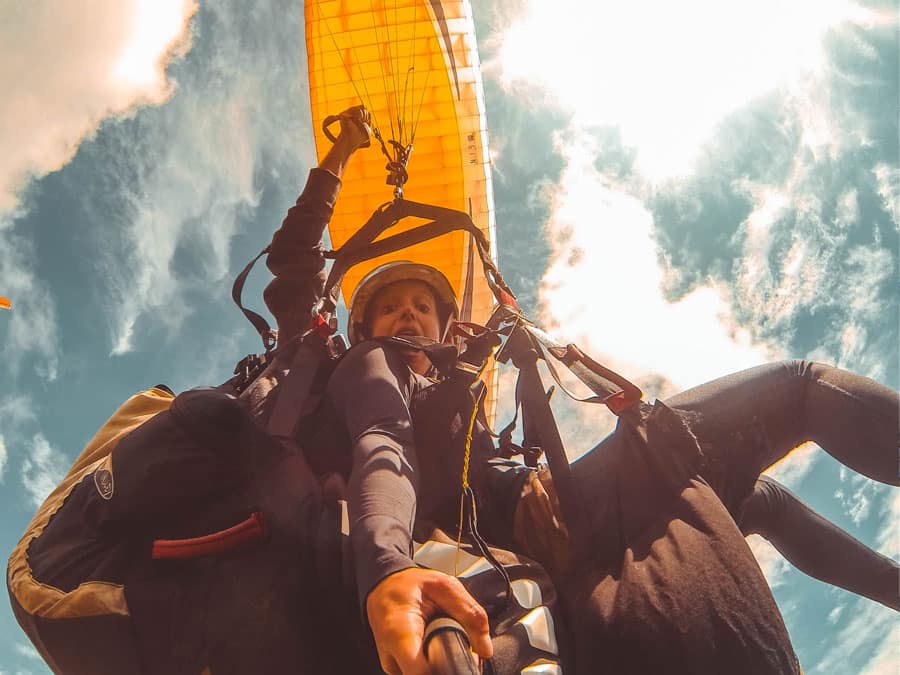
603,286
667,73
835,614
887,655
888,180
775,568
16,410
66,67
42,469
822,270
888,537
859,497
28,650
193,189
669,58
3,457
195,171
209,366
182,174
860,508
867,630
31,324
796,465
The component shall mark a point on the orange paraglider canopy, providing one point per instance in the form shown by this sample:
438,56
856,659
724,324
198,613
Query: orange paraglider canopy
414,65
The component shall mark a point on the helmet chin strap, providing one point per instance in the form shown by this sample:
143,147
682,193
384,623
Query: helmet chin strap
447,326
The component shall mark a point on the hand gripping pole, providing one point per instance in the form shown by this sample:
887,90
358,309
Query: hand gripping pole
447,650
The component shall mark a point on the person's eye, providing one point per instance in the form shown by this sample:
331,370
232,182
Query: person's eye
424,307
388,307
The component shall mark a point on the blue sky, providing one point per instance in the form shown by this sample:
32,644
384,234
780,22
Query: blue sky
734,166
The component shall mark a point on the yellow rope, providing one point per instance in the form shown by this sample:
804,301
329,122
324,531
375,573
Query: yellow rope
465,471
465,477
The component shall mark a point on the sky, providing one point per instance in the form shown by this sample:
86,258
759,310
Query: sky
683,189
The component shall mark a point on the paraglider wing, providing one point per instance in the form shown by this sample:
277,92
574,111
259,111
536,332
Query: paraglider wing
414,65
5,303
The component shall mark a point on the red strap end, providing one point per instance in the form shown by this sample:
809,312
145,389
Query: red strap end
244,534
319,324
508,299
619,401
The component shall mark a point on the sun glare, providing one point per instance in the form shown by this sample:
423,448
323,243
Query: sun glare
666,73
158,26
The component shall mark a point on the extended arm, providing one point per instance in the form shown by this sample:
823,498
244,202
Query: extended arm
296,255
370,391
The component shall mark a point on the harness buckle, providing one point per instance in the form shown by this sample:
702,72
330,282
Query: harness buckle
247,369
326,327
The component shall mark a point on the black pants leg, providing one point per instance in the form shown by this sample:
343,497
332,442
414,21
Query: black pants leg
752,419
747,421
816,546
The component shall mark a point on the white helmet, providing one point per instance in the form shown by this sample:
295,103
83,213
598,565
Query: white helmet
389,273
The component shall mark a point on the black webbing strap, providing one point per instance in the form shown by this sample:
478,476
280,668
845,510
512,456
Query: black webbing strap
391,213
537,415
481,342
609,387
443,357
465,305
361,246
465,302
470,518
269,337
294,391
530,453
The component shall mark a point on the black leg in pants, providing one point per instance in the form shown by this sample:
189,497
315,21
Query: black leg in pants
747,421
816,546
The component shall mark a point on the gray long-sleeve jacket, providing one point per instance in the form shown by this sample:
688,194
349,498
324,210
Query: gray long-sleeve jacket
364,431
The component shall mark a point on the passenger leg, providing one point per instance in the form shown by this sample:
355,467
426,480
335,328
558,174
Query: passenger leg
752,419
747,421
816,546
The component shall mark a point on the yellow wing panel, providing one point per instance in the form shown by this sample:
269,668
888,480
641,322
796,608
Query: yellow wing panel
414,64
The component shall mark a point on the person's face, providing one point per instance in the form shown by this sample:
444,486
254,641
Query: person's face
406,308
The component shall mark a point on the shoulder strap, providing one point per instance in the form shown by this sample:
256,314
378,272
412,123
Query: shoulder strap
293,394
